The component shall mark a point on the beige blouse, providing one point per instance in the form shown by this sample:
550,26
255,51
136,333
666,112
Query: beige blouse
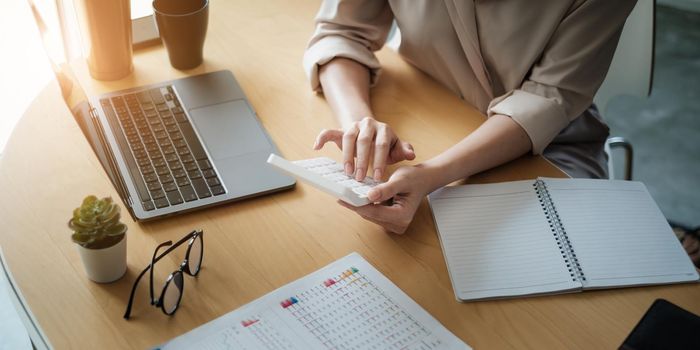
539,62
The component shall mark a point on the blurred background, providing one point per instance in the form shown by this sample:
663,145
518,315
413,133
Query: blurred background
664,128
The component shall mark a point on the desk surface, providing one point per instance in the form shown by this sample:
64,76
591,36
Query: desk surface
255,246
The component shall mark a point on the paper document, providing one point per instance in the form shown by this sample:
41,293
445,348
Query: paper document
345,305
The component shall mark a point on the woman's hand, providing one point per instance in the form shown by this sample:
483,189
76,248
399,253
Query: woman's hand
407,187
367,140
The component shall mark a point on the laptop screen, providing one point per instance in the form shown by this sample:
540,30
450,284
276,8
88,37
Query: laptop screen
72,92
75,98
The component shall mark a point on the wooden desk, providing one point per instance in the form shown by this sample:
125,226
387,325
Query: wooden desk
255,246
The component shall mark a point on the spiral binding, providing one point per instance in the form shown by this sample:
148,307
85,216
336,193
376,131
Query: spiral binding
558,231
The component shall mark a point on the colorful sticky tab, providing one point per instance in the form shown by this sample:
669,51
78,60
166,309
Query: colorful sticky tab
289,302
347,273
329,282
247,323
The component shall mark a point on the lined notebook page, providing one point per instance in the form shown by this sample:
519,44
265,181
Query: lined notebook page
497,242
618,233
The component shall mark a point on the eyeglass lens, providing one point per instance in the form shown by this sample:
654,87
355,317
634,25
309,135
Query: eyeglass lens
195,258
172,293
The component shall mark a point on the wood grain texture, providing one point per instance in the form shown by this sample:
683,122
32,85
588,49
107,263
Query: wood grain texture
255,246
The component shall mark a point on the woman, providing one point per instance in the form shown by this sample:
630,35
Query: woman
531,67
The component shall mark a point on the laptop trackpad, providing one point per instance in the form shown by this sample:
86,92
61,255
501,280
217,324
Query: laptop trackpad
229,129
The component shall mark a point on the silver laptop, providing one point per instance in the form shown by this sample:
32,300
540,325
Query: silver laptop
175,146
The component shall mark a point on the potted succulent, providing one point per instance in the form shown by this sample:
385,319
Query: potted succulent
101,238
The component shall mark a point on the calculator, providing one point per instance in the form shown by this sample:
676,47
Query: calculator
327,175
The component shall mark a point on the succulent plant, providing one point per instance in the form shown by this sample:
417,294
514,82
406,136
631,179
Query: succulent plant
95,223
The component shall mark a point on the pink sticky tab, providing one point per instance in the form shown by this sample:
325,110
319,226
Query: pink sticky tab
329,282
247,323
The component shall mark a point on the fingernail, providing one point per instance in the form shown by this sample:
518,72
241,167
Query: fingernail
348,168
378,174
359,174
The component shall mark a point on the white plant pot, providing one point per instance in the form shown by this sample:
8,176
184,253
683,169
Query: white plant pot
104,265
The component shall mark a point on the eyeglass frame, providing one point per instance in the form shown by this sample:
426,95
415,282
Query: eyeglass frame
184,267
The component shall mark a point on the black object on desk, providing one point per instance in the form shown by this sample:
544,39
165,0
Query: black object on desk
665,326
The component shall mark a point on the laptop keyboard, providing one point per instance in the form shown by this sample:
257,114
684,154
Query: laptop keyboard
166,159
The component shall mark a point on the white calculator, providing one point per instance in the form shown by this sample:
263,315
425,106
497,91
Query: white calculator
327,175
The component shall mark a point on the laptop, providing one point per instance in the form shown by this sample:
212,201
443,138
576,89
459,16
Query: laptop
177,145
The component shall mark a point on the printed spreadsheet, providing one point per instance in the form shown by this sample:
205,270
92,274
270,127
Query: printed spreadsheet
346,305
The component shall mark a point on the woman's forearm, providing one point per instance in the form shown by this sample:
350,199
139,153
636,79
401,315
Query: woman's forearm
499,140
346,88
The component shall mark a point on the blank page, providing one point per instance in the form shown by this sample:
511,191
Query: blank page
618,233
497,242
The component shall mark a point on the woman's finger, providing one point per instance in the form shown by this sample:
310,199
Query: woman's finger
348,147
381,153
402,151
363,148
386,191
327,135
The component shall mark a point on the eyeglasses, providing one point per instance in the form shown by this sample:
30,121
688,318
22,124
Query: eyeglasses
171,294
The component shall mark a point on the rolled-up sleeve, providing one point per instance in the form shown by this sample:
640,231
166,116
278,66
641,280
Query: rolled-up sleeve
573,65
351,29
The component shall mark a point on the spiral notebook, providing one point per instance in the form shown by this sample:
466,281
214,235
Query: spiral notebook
553,236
